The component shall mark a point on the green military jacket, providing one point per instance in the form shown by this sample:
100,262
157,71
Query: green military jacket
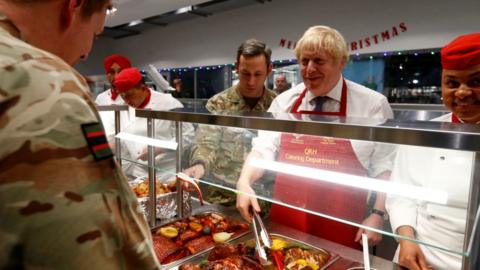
223,150
64,203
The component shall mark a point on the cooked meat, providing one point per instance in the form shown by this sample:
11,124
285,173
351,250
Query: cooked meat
294,254
181,253
223,251
237,225
181,225
163,247
187,235
233,263
190,266
199,244
251,264
230,263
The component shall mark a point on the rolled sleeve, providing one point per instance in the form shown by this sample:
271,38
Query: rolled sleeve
402,211
266,143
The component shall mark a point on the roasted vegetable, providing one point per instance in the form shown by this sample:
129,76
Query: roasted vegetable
168,231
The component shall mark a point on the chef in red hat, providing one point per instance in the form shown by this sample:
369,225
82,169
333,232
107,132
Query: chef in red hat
113,64
137,95
445,170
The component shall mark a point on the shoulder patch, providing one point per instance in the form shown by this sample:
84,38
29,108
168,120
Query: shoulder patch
97,141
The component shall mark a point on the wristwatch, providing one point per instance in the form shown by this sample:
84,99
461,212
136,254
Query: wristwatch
380,213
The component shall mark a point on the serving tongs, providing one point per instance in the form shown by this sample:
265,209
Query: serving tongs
190,184
261,237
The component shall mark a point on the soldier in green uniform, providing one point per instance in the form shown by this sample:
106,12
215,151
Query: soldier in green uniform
218,153
64,202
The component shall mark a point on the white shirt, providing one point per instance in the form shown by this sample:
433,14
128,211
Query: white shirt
441,225
105,98
361,102
108,117
164,130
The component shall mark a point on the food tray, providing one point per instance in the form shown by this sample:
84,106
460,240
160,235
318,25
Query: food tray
174,264
249,238
166,205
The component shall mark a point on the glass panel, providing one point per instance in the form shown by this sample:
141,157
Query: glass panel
135,142
183,82
340,180
212,81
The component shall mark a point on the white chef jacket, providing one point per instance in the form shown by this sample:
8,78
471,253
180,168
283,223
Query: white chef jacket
108,117
164,130
361,102
441,225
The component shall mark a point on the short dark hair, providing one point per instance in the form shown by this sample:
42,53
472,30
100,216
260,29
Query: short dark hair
89,6
253,47
92,6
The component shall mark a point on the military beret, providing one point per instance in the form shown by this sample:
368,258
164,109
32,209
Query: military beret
127,79
122,61
462,53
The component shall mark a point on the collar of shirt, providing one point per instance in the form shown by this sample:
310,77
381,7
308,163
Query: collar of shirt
236,97
335,94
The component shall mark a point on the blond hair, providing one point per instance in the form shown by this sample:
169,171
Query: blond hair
323,37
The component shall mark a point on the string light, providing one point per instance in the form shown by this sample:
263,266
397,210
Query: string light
292,61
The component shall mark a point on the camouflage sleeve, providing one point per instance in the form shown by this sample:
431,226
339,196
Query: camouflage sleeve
205,146
60,208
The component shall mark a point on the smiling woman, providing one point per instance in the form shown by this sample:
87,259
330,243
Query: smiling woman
461,77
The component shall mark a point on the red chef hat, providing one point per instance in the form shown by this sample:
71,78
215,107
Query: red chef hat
122,61
462,53
127,79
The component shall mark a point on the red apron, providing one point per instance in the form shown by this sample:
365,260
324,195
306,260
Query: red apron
327,198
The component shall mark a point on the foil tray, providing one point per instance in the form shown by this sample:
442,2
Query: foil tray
176,264
198,259
166,206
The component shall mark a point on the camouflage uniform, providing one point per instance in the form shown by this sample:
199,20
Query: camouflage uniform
222,150
64,204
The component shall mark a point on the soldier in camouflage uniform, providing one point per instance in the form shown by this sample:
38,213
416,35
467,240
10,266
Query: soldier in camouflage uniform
218,153
64,203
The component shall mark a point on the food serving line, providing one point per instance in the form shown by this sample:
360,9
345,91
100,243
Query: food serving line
342,257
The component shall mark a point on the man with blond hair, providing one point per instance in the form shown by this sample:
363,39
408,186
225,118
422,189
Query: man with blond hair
64,202
322,53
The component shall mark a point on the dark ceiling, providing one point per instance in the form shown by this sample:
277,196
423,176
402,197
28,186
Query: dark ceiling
164,20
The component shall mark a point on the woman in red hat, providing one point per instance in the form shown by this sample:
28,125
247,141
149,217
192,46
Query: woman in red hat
447,170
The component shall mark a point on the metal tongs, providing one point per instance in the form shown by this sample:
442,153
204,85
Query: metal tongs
190,184
261,237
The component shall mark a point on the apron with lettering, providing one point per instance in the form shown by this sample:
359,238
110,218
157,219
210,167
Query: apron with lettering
327,198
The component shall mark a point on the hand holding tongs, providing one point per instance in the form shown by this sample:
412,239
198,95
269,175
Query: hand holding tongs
190,184
263,238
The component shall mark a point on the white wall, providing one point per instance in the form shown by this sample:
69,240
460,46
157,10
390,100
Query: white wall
213,40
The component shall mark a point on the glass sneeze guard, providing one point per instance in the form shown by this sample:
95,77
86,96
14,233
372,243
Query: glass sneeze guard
432,142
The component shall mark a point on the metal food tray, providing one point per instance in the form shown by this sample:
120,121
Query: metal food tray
176,264
204,256
166,205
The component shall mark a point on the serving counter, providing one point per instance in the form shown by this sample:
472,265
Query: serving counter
374,136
